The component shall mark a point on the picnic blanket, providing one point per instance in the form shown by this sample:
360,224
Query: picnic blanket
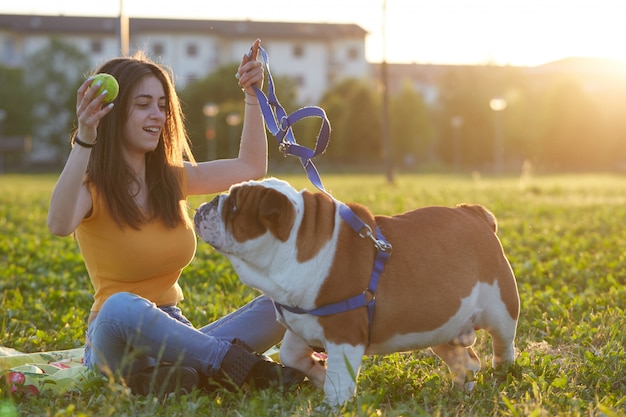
61,371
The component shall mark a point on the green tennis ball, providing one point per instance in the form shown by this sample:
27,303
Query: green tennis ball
109,83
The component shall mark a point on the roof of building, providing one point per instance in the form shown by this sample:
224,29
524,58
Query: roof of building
99,25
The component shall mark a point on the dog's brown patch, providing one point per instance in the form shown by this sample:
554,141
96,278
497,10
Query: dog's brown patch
250,211
431,246
349,275
318,224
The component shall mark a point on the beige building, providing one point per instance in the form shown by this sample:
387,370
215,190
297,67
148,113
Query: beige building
315,54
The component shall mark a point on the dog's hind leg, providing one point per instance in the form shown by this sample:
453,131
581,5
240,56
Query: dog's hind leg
502,341
462,361
465,339
501,327
296,353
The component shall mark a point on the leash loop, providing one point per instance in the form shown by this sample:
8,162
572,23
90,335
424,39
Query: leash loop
283,125
279,123
380,244
366,231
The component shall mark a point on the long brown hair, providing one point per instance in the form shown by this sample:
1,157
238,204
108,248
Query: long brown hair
108,171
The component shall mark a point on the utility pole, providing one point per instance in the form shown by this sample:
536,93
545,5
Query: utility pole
498,104
123,33
387,148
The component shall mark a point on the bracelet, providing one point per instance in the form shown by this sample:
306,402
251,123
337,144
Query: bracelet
252,104
83,144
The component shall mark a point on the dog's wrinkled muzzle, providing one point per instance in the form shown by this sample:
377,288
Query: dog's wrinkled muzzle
206,222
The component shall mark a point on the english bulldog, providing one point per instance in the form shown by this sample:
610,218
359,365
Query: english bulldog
446,277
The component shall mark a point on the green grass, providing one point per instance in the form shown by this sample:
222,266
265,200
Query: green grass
564,236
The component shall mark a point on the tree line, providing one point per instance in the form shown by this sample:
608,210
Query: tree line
558,122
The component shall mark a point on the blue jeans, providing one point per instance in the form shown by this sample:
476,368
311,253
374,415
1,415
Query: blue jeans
130,334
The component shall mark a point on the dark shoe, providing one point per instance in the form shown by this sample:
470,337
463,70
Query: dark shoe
163,380
242,365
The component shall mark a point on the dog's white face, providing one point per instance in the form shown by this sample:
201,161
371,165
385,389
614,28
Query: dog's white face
447,277
255,225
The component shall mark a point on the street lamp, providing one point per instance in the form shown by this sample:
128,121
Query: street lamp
3,115
232,120
498,104
210,110
457,124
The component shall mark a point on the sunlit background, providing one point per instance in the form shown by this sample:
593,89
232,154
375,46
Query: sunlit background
465,85
517,32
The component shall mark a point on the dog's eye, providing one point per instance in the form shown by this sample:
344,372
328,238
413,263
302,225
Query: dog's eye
233,207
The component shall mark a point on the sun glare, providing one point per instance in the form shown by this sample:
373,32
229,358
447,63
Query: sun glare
530,32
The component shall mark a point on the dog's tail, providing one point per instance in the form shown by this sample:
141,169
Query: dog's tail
483,213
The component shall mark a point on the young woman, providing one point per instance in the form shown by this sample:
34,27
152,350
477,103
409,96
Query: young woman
123,194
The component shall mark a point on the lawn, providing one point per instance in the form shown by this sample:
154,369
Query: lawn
563,236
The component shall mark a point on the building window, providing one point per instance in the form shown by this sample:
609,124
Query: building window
9,50
192,49
96,47
298,51
157,49
353,53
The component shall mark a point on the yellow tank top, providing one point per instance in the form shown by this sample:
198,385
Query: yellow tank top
146,262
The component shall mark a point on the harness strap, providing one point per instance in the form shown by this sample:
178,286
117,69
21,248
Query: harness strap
366,298
363,229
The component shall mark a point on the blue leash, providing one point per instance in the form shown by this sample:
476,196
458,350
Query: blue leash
279,123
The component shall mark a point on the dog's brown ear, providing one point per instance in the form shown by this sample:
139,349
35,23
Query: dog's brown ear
277,213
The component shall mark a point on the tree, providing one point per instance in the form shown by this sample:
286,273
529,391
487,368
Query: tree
220,88
354,112
53,74
15,117
411,128
575,138
16,103
465,95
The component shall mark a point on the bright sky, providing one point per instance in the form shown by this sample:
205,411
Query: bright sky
517,32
